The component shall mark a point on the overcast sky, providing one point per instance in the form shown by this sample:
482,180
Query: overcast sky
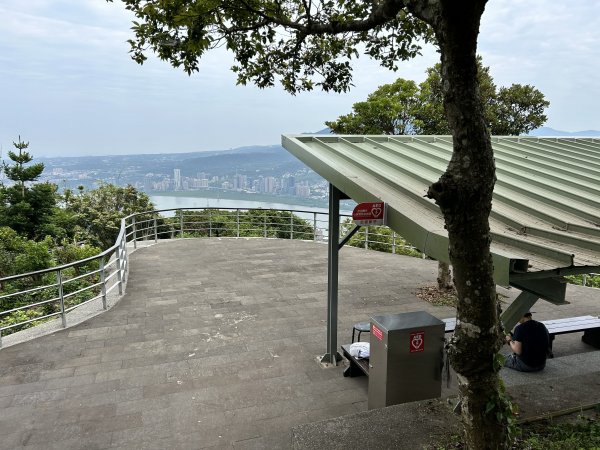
68,85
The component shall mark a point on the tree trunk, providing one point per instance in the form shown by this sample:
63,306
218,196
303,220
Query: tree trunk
464,194
444,279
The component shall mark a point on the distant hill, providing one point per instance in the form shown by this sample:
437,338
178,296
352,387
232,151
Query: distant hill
547,131
263,160
272,158
252,161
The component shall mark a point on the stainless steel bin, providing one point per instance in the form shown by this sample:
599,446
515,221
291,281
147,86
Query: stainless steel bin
406,358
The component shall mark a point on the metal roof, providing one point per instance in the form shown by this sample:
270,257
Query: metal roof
545,219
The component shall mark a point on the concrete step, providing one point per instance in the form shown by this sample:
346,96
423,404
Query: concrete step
567,382
562,367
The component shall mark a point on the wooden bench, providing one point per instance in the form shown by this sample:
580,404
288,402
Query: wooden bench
357,367
590,325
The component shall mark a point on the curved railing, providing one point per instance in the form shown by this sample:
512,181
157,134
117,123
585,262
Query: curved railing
57,291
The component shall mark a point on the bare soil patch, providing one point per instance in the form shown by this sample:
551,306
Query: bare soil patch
436,296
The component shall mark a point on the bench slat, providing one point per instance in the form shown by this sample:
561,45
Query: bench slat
362,364
555,326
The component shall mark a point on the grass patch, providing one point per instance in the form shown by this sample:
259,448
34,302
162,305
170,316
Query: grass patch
574,432
590,280
581,433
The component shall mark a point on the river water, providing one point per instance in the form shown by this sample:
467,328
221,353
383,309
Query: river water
174,202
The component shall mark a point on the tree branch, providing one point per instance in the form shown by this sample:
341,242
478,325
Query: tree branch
381,13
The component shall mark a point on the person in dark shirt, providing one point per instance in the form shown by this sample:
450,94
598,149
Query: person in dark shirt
529,343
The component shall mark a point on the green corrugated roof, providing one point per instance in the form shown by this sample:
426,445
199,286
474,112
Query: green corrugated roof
546,207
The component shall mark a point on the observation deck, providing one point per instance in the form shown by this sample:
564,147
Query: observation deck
215,345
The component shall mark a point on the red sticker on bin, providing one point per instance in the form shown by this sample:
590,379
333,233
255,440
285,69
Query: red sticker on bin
377,332
417,341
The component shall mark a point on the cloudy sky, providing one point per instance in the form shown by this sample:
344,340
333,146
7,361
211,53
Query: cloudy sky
68,86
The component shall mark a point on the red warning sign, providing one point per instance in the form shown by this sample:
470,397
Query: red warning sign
417,342
377,332
372,213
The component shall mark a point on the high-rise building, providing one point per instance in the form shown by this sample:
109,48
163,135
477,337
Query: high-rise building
269,185
177,179
302,189
240,182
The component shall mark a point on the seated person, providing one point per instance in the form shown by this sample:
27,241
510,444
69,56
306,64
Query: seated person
529,344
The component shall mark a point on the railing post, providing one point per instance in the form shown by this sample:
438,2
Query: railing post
237,221
366,238
209,223
125,266
61,297
155,230
315,226
265,224
103,282
394,242
134,232
119,262
181,223
291,225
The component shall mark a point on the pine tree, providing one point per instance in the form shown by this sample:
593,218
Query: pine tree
25,206
19,173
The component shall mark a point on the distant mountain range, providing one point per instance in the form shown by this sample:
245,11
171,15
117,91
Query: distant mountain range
542,131
547,131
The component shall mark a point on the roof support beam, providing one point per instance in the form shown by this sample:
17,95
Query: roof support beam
517,309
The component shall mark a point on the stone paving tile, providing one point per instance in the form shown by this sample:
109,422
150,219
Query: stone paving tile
12,439
99,441
96,388
70,381
106,397
143,405
76,362
23,388
221,355
87,413
97,368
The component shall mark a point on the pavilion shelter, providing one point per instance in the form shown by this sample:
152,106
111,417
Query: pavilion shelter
545,219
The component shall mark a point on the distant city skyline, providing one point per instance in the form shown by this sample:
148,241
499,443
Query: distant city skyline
248,172
69,87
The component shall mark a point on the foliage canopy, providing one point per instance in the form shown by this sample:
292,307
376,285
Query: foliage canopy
300,44
403,107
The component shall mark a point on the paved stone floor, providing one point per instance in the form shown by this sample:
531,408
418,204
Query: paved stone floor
214,345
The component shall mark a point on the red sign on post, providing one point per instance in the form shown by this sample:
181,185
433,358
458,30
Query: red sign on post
371,213
417,342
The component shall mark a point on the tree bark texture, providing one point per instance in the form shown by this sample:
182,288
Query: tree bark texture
464,194
444,279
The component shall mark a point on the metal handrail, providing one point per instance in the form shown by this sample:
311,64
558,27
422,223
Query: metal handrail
113,263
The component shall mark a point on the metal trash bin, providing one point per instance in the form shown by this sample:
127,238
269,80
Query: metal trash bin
406,358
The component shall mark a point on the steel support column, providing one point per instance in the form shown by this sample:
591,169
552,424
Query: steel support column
332,356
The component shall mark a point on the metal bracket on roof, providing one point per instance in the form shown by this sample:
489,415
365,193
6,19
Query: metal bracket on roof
553,273
551,289
518,265
348,236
